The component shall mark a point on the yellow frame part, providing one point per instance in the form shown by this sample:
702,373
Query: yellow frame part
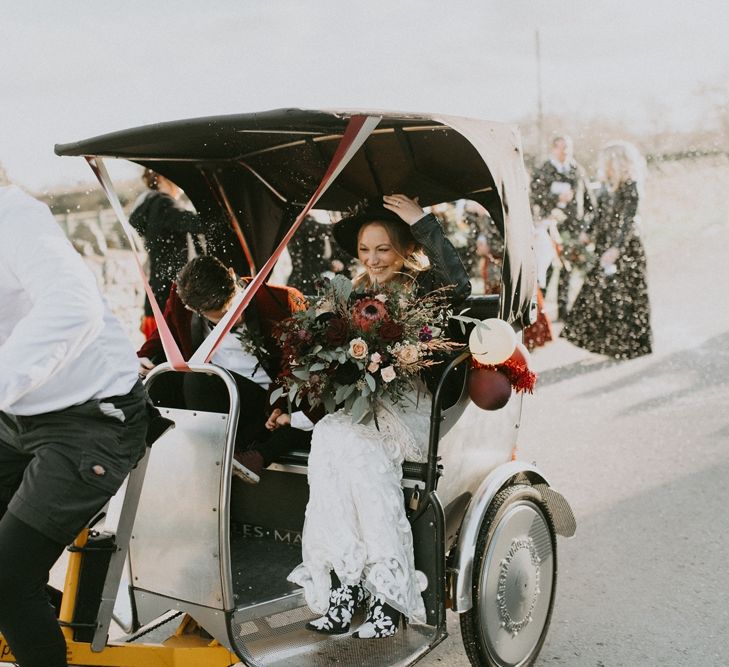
141,655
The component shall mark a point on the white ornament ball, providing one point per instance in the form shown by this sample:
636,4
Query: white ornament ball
492,342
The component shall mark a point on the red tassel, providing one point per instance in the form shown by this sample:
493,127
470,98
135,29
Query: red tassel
520,377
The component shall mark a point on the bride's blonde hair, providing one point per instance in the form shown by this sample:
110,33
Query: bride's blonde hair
403,242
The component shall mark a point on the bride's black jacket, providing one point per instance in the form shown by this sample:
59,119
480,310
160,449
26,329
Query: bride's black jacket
446,267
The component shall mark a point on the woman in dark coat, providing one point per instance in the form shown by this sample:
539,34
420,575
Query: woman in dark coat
611,314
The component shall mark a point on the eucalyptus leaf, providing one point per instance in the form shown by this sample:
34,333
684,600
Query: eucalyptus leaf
342,287
318,366
300,373
370,382
330,405
349,402
359,409
276,394
342,392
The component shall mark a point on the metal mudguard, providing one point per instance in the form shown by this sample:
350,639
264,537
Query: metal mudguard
513,472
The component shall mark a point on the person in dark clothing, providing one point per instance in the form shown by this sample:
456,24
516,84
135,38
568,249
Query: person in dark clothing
561,183
611,314
164,225
204,291
314,252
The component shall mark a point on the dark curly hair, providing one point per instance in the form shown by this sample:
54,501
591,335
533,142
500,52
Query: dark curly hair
205,283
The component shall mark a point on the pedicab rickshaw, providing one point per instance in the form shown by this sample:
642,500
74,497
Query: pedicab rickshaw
207,556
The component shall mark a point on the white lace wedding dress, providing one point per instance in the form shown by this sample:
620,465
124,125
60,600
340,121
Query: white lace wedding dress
355,520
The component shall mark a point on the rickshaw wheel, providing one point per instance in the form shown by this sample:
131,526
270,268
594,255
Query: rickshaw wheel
514,581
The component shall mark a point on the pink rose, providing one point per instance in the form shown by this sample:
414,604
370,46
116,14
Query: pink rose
388,374
358,349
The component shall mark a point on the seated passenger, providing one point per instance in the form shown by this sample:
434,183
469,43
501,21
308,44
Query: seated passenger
204,291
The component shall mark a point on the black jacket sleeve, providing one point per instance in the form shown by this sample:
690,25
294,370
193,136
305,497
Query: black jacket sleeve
446,266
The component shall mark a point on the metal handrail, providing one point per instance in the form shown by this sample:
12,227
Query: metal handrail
436,418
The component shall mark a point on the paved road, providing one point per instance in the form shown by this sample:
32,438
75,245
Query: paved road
641,449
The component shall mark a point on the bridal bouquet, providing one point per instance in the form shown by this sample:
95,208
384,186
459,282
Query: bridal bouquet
351,348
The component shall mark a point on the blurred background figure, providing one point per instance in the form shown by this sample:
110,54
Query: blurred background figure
611,314
314,253
486,260
547,249
462,223
164,224
561,183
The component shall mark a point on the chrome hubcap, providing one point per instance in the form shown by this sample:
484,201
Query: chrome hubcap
516,584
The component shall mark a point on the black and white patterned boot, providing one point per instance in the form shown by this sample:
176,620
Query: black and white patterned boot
382,621
343,600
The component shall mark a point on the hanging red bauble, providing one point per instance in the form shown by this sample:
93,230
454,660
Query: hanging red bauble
488,388
516,368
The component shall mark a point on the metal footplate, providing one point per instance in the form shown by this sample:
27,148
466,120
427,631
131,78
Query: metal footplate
281,640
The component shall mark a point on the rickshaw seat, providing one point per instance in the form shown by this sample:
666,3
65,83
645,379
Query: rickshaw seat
300,458
481,306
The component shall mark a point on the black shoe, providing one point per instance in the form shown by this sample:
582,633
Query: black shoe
382,621
248,466
343,600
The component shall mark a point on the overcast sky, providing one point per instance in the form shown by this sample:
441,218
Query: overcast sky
70,70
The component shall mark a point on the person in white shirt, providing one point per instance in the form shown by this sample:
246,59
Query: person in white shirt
561,183
203,293
73,416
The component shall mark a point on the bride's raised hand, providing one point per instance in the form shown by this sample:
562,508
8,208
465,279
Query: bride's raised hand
407,209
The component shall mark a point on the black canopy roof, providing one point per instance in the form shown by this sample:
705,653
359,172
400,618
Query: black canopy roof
261,168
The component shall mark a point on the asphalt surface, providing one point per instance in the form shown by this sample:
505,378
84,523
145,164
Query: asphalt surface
641,451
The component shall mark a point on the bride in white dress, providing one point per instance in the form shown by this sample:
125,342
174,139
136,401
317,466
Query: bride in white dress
357,542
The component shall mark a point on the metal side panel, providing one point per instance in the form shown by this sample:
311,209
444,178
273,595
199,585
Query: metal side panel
177,548
478,443
124,529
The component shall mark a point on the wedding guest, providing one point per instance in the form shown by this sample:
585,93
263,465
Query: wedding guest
562,183
611,314
164,224
204,292
314,254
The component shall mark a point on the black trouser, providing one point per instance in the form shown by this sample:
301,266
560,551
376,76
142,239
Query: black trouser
57,470
208,394
563,288
280,442
27,619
